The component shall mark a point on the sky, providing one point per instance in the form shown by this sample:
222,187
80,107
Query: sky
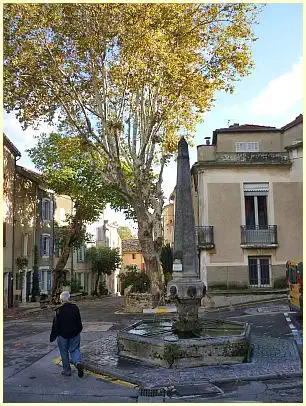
270,95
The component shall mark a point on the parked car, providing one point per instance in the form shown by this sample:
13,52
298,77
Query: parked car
294,273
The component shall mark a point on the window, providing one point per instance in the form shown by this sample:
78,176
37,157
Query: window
247,146
79,278
133,256
99,233
49,280
4,234
255,201
41,280
81,254
86,282
59,248
259,272
19,281
46,248
47,209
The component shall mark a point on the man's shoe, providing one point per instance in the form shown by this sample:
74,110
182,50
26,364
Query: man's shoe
80,369
66,372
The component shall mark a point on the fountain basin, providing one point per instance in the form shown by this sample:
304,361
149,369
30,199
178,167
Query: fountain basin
155,343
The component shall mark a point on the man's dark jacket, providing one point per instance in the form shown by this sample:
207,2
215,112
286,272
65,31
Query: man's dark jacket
67,322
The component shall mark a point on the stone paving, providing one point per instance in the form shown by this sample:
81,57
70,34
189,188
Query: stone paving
271,356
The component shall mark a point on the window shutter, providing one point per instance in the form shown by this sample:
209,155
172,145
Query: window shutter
50,246
43,211
256,189
51,209
41,246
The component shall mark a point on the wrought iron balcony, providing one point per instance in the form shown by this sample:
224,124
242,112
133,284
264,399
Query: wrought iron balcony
205,237
258,236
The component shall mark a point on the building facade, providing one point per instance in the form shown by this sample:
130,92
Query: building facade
168,224
10,156
131,254
247,194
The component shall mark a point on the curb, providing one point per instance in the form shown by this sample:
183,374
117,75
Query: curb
126,379
109,376
116,376
258,378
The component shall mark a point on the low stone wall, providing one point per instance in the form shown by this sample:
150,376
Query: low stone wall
136,302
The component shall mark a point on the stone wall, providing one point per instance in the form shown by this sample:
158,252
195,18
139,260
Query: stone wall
136,302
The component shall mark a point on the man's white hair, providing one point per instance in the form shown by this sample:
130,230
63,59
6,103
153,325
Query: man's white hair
65,296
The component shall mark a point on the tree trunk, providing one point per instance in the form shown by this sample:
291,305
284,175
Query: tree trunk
96,284
59,270
151,251
76,226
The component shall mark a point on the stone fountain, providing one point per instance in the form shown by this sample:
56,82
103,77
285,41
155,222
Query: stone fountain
188,341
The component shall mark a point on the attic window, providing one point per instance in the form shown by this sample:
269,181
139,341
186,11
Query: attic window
247,146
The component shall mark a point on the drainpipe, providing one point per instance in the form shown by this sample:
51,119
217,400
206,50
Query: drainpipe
34,233
13,233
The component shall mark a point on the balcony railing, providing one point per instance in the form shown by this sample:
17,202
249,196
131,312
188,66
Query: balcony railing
258,236
254,157
205,237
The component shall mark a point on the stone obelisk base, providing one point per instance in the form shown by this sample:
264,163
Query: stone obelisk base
187,310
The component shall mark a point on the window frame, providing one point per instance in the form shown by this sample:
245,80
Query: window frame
258,268
81,254
48,237
256,190
45,202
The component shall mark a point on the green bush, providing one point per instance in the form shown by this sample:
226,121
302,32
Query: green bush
139,280
102,288
280,283
43,296
75,286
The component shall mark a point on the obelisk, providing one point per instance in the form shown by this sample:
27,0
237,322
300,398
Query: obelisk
185,288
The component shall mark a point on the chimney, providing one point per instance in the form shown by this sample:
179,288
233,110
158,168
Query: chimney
207,140
235,125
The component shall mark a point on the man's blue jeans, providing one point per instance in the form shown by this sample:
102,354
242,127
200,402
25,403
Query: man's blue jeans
70,346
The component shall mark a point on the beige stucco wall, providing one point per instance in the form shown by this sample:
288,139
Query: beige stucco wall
224,213
206,153
168,223
292,134
25,211
127,259
228,274
296,172
239,274
288,198
268,141
8,185
62,202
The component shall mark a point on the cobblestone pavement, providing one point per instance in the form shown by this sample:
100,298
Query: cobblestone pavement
271,356
26,346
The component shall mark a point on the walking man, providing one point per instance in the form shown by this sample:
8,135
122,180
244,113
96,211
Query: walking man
66,327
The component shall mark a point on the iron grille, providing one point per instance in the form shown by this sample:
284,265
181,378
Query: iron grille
205,236
258,235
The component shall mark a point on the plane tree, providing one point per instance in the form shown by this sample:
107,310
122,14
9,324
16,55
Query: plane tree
77,176
127,79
